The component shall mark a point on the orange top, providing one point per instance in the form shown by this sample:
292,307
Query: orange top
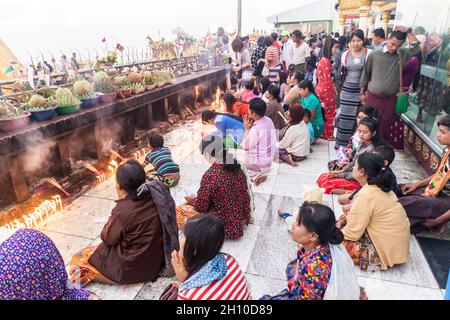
242,107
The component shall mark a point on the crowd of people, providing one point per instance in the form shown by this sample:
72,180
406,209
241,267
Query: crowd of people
289,94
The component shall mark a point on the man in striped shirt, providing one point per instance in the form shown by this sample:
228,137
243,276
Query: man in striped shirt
160,158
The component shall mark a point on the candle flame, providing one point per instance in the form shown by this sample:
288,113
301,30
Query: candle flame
197,92
217,103
42,212
114,164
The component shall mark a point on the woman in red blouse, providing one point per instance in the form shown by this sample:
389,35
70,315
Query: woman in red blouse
325,88
223,192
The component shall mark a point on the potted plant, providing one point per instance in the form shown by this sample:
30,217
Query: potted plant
67,102
41,109
12,117
124,85
137,88
164,77
135,77
149,80
104,85
83,90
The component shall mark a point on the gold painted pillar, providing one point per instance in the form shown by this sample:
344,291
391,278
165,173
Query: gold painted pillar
364,10
342,19
371,26
386,18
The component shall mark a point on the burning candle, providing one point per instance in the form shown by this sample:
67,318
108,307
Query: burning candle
39,214
197,93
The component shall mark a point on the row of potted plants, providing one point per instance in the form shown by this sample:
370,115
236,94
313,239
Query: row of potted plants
47,104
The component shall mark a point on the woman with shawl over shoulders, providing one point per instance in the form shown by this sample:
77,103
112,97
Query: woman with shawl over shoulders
137,239
204,273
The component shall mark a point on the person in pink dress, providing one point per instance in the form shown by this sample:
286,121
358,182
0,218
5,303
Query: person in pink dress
325,88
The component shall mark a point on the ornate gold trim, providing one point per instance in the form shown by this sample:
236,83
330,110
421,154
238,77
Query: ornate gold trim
406,131
434,162
411,137
425,152
418,144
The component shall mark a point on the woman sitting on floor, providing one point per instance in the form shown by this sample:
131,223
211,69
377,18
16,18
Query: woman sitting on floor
203,271
427,202
32,269
294,145
138,238
274,111
322,269
340,181
292,91
226,124
224,190
376,229
388,155
310,101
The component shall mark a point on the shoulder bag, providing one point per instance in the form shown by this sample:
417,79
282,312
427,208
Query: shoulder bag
402,103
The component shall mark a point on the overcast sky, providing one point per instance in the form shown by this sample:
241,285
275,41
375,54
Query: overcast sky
62,24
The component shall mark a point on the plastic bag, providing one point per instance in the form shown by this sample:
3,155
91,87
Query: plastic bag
343,284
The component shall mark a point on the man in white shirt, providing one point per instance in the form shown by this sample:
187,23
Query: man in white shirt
301,52
287,52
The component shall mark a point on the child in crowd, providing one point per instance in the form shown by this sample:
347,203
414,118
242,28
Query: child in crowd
388,155
290,75
249,92
281,80
265,84
160,158
294,145
238,108
340,181
346,155
307,119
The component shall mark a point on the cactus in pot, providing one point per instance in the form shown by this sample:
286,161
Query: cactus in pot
37,102
135,77
137,88
82,89
122,82
149,80
103,83
65,98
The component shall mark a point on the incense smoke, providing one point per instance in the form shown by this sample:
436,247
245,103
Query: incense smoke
38,153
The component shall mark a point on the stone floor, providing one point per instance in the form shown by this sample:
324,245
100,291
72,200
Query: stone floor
266,247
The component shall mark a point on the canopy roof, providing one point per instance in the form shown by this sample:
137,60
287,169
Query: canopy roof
320,10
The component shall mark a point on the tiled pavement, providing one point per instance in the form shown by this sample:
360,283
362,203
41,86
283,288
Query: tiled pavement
266,247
